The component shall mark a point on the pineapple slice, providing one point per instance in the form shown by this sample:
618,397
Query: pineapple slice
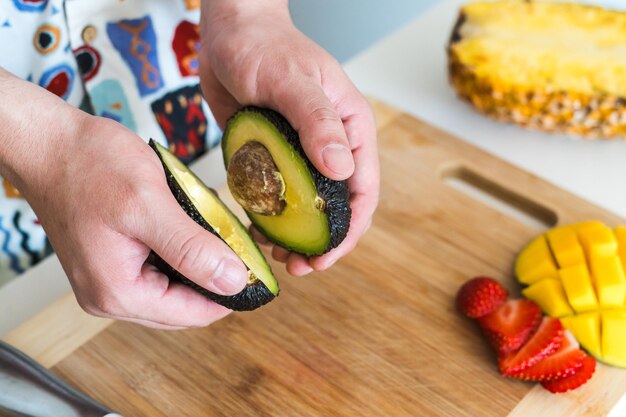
614,337
552,66
586,329
550,296
588,292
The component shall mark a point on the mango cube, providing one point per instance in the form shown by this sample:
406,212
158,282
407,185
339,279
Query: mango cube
550,296
614,337
620,235
535,262
598,241
586,329
591,224
565,246
609,280
579,288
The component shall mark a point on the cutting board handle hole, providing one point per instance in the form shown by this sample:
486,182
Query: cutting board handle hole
499,197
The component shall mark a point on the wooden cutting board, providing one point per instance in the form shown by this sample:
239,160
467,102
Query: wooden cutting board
378,334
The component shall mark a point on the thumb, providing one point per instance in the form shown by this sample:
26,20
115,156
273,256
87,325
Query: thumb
321,131
192,250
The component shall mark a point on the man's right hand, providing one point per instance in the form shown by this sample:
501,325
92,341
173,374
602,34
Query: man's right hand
101,196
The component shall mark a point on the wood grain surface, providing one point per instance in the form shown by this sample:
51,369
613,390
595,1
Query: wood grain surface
378,334
56,332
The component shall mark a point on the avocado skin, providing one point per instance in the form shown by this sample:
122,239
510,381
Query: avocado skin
336,194
250,298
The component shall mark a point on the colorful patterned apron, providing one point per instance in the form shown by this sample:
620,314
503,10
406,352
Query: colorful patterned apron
133,61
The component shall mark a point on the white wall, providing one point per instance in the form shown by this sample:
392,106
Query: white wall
346,27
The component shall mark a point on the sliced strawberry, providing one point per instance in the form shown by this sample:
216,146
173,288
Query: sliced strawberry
568,383
544,342
480,296
565,361
511,325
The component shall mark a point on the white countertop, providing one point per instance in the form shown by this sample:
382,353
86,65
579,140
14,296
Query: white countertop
408,71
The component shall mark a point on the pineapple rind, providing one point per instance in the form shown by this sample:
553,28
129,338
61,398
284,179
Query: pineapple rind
591,115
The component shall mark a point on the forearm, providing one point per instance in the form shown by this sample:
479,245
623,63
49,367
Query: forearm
217,15
34,126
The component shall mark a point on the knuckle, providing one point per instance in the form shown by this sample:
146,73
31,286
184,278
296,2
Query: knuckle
323,113
104,303
89,308
193,258
142,196
132,214
96,306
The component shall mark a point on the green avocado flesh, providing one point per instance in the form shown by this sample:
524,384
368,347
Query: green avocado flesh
204,207
316,214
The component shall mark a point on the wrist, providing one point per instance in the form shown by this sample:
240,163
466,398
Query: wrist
37,128
219,13
234,8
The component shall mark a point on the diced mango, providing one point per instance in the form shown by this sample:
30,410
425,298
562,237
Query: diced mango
586,329
578,273
550,296
565,246
598,241
614,337
609,280
620,235
591,224
535,262
579,288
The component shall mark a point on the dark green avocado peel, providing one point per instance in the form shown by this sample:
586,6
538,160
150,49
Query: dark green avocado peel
195,198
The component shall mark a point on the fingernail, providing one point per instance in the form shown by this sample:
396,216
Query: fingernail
306,271
232,278
323,266
338,159
331,263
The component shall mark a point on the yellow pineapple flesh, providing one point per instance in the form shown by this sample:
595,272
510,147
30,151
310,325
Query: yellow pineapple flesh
547,65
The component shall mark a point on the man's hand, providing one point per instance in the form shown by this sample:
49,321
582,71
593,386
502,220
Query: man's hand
252,54
101,196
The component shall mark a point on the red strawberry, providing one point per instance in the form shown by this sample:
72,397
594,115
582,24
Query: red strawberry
511,325
566,361
544,342
480,296
582,375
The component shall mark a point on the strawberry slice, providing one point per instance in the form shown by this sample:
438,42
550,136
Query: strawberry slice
568,383
564,362
480,296
544,342
511,325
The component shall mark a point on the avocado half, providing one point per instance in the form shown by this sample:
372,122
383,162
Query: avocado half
206,209
285,196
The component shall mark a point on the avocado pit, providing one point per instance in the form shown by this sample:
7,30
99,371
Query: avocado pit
286,198
255,181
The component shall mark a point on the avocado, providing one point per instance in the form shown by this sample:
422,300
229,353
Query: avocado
284,195
205,208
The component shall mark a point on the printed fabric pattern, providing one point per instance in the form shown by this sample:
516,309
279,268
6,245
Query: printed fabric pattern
135,62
